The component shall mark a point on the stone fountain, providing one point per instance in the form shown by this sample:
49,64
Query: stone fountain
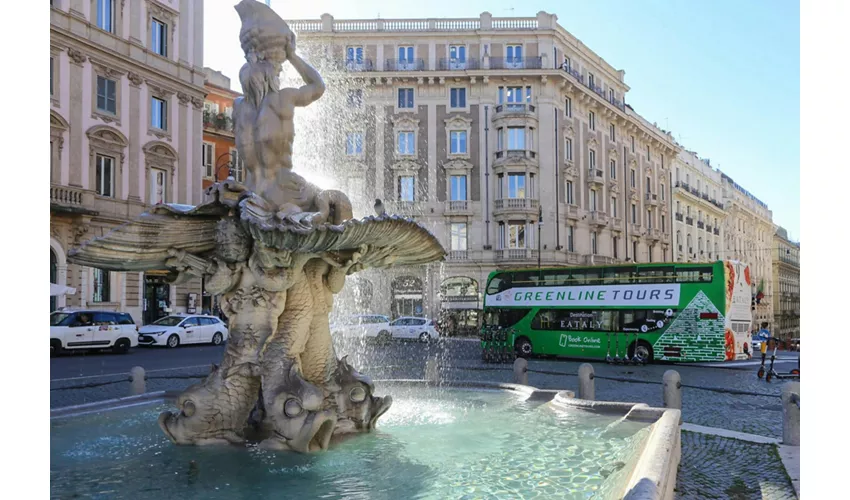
277,249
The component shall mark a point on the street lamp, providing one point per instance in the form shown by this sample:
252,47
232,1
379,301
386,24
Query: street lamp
220,165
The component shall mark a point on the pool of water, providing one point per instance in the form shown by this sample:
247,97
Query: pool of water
433,443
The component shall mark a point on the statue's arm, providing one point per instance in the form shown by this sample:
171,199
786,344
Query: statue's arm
314,87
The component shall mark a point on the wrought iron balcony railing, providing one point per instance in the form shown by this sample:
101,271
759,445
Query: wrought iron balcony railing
447,64
405,65
516,63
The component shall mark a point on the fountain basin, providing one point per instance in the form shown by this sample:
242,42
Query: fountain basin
459,440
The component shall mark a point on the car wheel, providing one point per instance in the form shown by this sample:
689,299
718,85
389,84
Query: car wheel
217,338
55,348
643,350
122,346
173,340
424,337
523,347
384,336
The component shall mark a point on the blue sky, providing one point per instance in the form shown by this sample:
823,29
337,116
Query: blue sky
722,75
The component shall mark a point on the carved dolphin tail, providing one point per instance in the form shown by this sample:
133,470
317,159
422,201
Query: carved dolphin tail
334,206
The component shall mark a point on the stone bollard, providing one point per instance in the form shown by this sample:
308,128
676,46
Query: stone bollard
432,370
586,388
791,414
137,381
672,390
521,371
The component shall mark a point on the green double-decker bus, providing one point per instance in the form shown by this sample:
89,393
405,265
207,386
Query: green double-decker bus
647,312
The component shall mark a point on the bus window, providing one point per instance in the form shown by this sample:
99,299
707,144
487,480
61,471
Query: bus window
593,276
705,274
618,275
499,283
505,317
577,277
556,278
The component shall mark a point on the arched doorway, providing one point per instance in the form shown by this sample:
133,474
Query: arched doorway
459,306
54,268
407,296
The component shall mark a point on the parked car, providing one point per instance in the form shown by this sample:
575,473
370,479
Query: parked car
177,329
92,329
362,325
409,327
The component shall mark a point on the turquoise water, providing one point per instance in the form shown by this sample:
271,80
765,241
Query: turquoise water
432,444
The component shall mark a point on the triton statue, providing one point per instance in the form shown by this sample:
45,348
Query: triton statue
277,249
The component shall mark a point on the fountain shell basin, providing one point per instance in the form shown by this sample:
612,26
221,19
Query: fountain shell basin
649,474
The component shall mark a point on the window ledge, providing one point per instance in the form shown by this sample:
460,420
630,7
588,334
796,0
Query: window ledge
159,133
106,117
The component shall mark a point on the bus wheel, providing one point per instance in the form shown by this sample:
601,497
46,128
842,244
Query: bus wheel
523,347
643,351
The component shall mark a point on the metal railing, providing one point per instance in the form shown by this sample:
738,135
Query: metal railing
416,64
512,107
358,65
447,64
516,153
516,63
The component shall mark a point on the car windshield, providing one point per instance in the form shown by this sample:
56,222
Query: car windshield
59,318
169,321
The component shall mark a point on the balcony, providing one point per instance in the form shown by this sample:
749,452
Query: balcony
458,207
447,64
598,260
402,207
595,176
653,234
516,254
405,65
517,205
218,122
572,211
514,109
71,200
456,255
515,153
516,63
679,217
358,65
689,221
598,218
634,229
651,199
700,224
617,223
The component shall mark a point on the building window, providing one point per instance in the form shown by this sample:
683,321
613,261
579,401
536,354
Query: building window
514,95
159,113
593,249
405,54
590,80
516,235
354,55
568,107
458,98
592,157
615,243
514,55
516,186
568,149
613,206
355,98
632,139
106,15
516,138
405,98
354,143
611,98
458,142
158,186
648,157
661,188
105,175
663,223
237,166
612,164
634,250
633,179
159,37
208,158
106,95
662,161
612,132
648,185
571,238
458,232
591,120
458,188
406,143
457,56
406,188
634,213
593,200
100,285
569,193
649,219
52,85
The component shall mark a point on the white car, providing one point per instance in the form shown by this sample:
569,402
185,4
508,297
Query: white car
174,330
363,325
92,329
409,327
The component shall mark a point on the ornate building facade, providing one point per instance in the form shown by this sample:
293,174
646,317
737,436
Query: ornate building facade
786,286
507,137
698,211
219,155
126,100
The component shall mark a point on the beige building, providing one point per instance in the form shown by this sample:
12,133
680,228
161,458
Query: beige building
698,211
748,237
126,96
786,286
476,127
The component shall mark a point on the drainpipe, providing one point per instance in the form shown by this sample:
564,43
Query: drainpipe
557,187
487,245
